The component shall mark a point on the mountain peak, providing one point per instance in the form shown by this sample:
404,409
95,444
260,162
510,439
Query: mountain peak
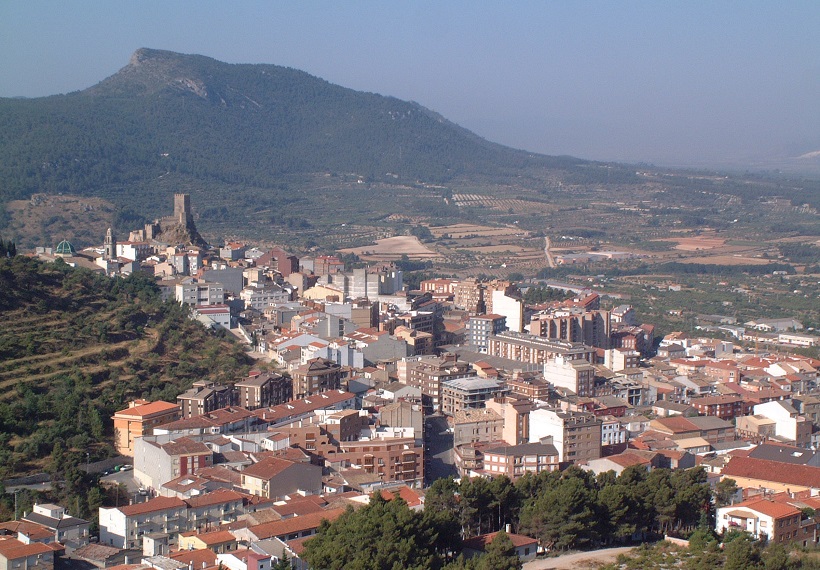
151,70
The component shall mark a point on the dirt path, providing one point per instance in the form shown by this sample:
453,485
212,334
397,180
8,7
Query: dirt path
578,560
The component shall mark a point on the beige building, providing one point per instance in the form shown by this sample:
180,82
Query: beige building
139,419
515,414
576,435
275,478
477,425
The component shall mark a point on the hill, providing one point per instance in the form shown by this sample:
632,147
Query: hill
270,153
240,124
76,346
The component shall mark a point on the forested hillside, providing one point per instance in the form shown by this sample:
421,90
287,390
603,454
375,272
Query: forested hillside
75,346
237,124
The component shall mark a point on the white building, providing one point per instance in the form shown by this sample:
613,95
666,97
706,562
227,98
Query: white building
124,527
762,518
511,308
190,292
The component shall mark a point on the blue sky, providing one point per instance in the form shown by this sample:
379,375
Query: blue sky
683,83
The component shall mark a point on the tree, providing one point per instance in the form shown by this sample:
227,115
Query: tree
741,554
725,490
500,555
562,517
283,563
381,535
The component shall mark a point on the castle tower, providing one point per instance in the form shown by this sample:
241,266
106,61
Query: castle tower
110,245
182,209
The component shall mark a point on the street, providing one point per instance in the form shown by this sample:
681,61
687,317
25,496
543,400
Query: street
438,455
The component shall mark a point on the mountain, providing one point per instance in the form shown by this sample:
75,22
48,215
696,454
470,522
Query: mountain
273,153
166,112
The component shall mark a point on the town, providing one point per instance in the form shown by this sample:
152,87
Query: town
364,386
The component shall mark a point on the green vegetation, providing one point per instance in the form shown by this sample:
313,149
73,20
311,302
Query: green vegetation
738,551
540,294
75,346
563,510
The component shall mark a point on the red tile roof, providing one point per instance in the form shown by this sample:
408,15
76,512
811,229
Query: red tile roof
214,498
294,524
481,541
267,468
153,505
154,408
769,508
774,471
196,558
11,548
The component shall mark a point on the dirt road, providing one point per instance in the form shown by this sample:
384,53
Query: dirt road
578,560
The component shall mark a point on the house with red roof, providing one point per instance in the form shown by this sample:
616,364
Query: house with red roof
762,518
525,547
19,555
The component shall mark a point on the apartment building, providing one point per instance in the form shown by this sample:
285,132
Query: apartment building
762,518
428,373
481,327
392,459
204,397
515,461
578,376
139,419
573,324
536,350
515,413
275,478
316,376
17,555
467,393
477,426
158,460
263,390
576,435
124,527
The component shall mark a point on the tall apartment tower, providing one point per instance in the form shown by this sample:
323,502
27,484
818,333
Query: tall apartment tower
182,209
110,245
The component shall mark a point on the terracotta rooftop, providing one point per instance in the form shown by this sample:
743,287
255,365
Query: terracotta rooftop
267,468
185,446
294,524
214,498
153,505
411,497
196,558
764,470
216,537
11,548
34,531
303,406
481,541
154,408
769,508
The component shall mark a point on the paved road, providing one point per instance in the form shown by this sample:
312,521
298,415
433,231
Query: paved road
126,478
439,455
578,560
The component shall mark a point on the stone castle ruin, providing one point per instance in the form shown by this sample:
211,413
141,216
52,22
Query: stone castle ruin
178,229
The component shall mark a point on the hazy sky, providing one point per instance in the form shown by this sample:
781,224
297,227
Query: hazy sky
712,82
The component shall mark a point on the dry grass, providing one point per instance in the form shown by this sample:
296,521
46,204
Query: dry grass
393,248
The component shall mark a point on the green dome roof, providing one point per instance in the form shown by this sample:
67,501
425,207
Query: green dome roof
65,248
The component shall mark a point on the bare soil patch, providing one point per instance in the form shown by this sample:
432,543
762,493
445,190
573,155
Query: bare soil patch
393,248
696,243
460,231
726,260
